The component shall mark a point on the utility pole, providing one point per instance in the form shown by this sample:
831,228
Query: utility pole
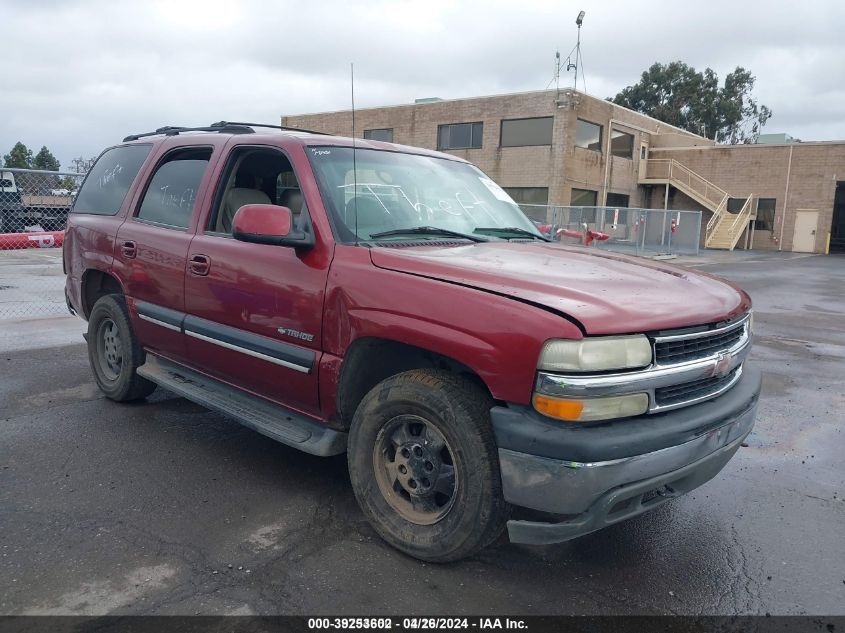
579,20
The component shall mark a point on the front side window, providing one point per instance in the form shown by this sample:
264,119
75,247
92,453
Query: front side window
109,180
588,135
392,191
172,192
381,134
621,144
459,135
255,175
525,132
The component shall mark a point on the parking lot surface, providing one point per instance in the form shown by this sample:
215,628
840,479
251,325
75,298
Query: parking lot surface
162,507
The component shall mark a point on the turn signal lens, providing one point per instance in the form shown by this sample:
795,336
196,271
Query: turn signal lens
590,409
561,409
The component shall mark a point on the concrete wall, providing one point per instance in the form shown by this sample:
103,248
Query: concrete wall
762,170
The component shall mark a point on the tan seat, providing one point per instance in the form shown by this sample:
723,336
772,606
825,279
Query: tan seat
236,198
293,200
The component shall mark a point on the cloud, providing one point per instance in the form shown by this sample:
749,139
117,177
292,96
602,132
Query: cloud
84,74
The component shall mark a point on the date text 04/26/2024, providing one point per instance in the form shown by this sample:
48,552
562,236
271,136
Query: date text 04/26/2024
417,623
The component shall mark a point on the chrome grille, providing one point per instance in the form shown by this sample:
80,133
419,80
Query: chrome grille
689,367
681,348
695,390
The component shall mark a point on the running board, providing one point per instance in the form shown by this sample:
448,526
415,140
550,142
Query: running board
274,421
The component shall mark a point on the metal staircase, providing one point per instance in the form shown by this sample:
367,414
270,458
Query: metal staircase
724,229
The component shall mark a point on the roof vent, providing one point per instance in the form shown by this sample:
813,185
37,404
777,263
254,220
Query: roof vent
428,100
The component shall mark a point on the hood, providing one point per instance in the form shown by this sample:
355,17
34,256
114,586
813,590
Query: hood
605,292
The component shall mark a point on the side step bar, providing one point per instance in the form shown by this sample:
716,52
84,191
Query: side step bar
274,421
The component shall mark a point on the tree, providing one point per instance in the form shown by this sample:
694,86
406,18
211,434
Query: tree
44,159
678,94
81,165
69,183
19,156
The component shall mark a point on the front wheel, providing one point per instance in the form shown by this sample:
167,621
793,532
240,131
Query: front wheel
115,352
424,465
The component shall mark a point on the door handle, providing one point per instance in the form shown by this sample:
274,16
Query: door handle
199,264
129,249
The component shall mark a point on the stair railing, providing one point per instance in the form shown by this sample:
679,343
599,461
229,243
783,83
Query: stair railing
685,179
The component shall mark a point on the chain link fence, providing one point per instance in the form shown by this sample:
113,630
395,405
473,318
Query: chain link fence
647,232
34,207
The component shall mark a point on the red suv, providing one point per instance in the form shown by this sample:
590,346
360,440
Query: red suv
393,303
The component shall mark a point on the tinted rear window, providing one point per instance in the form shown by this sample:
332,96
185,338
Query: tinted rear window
109,180
172,192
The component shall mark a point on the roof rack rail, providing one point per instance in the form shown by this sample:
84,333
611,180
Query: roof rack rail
173,130
267,125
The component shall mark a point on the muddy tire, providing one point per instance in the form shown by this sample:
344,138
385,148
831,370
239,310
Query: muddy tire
424,465
115,352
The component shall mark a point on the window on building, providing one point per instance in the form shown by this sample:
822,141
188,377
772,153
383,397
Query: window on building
616,201
735,204
523,132
380,134
528,195
584,198
459,135
765,214
588,135
621,144
170,197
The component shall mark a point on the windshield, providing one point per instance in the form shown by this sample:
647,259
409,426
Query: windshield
396,191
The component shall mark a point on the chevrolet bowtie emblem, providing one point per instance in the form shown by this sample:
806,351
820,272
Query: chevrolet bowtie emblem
722,365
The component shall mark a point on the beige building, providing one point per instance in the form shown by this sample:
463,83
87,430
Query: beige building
568,148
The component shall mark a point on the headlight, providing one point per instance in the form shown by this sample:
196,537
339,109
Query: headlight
596,354
588,409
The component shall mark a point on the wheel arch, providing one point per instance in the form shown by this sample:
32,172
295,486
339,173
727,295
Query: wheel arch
95,284
370,360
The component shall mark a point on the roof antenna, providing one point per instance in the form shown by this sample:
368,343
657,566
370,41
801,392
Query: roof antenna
354,163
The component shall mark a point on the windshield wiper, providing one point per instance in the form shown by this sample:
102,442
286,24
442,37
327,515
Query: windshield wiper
428,230
515,230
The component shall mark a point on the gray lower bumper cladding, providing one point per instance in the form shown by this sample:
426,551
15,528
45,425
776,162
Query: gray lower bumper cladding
590,495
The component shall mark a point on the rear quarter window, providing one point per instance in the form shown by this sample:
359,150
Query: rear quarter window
109,180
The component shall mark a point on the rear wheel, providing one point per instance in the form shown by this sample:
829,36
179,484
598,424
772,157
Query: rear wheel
115,352
424,465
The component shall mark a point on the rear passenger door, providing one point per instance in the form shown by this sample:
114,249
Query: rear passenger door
152,246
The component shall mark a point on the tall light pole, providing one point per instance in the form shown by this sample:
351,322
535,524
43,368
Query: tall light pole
579,21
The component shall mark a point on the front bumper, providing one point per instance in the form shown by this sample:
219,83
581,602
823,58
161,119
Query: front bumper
598,475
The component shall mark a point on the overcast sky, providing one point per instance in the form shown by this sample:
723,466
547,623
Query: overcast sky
79,75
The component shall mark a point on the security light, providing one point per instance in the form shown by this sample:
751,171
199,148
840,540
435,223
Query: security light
580,19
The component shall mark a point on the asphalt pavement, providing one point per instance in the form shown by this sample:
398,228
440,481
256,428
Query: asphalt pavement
162,507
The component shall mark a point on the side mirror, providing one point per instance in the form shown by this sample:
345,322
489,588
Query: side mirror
268,224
